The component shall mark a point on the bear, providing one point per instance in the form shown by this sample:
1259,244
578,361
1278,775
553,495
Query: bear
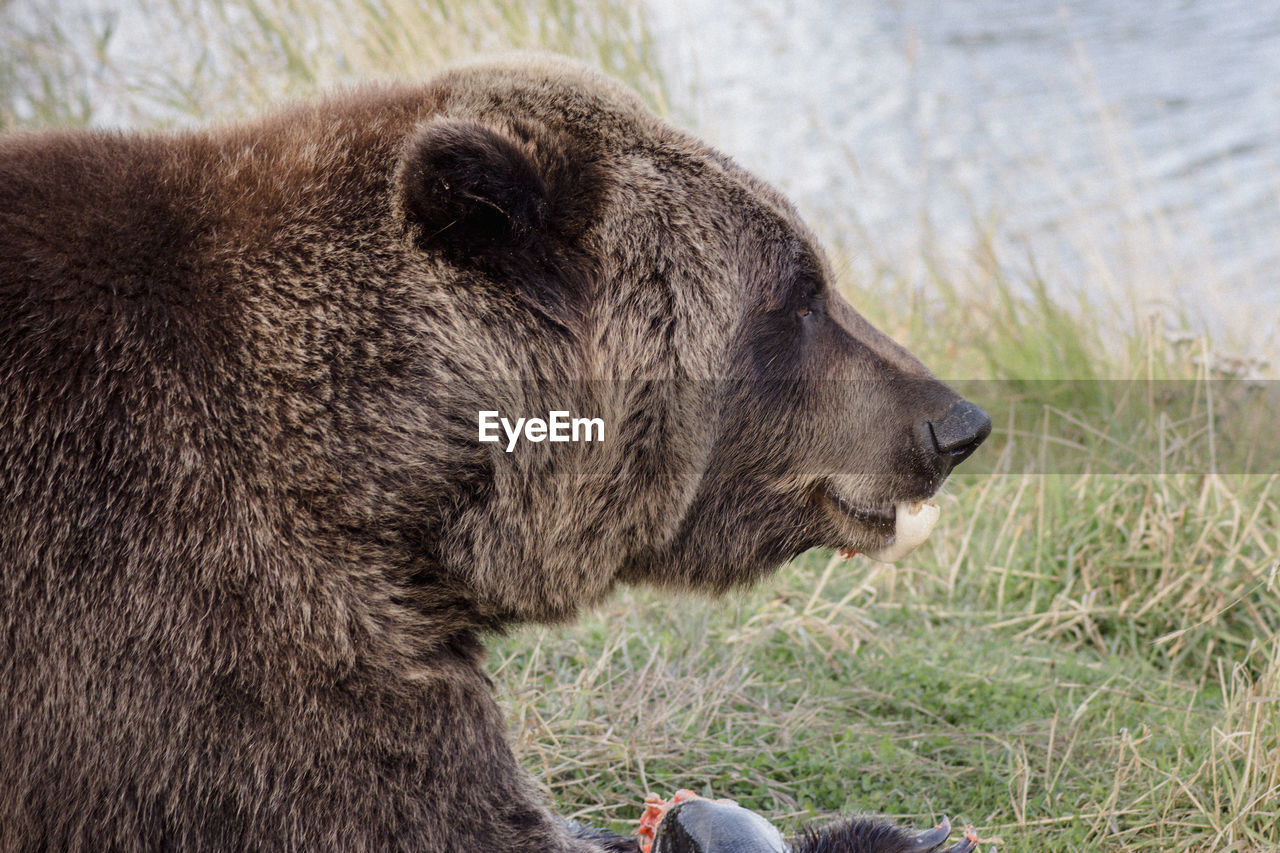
258,512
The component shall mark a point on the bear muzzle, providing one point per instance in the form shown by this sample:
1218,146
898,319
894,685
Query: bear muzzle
947,440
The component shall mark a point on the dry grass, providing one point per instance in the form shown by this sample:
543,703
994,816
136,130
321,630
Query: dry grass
167,61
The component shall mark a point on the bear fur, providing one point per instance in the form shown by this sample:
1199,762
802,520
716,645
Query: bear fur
250,542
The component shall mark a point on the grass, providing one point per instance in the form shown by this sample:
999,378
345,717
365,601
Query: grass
176,61
1085,656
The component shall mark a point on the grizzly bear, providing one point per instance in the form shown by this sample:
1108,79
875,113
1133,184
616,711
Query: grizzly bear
283,408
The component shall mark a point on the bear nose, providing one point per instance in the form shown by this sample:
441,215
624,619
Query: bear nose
958,433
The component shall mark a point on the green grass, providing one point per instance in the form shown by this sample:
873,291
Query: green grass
1081,660
1008,694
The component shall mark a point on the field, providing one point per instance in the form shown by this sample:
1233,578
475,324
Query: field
1086,654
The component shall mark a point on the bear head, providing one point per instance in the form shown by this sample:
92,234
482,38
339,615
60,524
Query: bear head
612,266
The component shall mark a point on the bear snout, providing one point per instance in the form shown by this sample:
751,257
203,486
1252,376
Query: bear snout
954,436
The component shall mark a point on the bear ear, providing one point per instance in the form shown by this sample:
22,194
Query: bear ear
471,187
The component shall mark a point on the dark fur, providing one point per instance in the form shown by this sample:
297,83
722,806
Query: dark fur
249,541
858,835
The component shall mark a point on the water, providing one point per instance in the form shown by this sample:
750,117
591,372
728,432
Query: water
1127,149
1133,147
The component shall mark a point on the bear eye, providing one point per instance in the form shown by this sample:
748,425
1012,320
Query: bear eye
812,305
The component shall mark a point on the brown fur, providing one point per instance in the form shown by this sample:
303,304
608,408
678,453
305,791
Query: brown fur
249,541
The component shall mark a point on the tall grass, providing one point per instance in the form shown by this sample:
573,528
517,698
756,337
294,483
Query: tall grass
1083,657
181,60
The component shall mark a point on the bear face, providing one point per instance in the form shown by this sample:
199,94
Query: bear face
251,534
756,414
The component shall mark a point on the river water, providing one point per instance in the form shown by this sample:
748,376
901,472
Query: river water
1128,147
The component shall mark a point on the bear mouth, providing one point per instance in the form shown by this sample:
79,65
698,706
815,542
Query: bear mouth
893,530
876,516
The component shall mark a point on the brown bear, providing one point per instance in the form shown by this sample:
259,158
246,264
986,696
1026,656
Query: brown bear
283,408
